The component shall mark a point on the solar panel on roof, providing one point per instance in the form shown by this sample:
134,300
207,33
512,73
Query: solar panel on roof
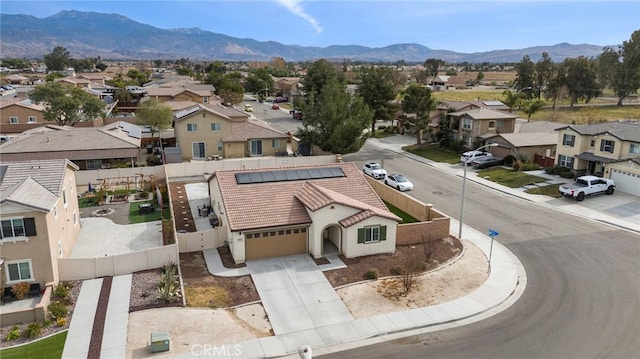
288,175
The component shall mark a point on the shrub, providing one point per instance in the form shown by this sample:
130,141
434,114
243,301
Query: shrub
530,166
46,323
20,290
566,174
153,160
372,273
397,270
517,165
33,330
550,170
57,310
62,290
61,322
13,334
509,160
169,286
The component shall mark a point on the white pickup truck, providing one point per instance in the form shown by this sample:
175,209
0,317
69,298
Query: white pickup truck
587,185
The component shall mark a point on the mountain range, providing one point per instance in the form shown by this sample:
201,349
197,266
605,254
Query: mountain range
117,37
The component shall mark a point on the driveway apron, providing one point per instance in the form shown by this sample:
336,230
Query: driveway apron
295,294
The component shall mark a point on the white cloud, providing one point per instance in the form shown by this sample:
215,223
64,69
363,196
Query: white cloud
295,6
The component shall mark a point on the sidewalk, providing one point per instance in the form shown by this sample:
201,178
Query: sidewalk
505,284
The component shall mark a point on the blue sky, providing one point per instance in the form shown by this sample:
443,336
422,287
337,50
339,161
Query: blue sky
462,26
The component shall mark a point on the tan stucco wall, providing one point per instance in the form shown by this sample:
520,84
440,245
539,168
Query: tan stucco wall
43,248
415,233
351,248
22,113
185,138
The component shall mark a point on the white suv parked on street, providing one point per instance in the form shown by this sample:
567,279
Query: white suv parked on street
374,170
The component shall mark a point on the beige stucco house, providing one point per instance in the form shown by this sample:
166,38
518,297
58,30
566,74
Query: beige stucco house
609,149
207,132
40,219
113,145
308,209
195,93
480,123
21,111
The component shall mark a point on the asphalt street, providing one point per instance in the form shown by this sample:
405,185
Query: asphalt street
583,289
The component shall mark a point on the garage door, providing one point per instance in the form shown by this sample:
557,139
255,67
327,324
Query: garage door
626,182
278,243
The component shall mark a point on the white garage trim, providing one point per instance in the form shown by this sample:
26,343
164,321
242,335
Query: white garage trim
626,181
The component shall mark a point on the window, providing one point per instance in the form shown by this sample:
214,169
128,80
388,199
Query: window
272,233
94,164
192,127
634,148
256,235
220,146
593,143
281,233
492,125
565,161
13,119
275,143
64,197
18,271
216,126
75,218
288,231
500,123
303,230
55,211
466,123
198,150
265,234
568,140
205,99
71,185
296,231
60,251
256,147
606,146
372,234
204,115
32,119
18,227
248,236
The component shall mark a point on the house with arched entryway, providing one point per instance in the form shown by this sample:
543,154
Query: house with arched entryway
311,209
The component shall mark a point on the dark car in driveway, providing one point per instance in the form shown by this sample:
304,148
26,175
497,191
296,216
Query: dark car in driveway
487,161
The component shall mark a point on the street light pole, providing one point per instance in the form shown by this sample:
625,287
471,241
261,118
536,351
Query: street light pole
464,181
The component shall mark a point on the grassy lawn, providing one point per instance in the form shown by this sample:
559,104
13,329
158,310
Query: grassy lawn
550,190
136,217
406,218
434,153
509,178
383,133
50,347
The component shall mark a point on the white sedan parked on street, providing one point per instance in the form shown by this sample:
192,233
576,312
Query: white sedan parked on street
374,170
399,182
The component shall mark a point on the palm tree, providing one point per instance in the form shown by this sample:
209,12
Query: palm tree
530,107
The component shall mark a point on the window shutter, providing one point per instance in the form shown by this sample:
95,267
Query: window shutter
360,235
383,233
30,227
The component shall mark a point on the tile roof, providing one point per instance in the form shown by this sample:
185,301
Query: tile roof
484,114
37,184
251,129
530,139
273,204
64,138
623,130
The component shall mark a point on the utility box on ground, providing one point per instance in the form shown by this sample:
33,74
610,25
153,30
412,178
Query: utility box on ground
159,342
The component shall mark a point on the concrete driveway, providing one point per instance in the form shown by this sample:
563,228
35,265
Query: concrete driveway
295,294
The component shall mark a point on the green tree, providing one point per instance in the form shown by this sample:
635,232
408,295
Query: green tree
319,74
581,80
431,67
260,82
154,114
543,74
620,69
67,105
530,107
58,59
510,98
418,101
378,90
525,76
335,120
